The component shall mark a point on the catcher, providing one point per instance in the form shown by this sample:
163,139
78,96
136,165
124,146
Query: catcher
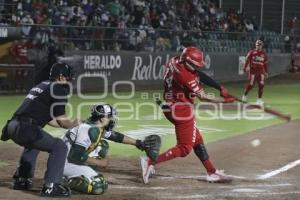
87,149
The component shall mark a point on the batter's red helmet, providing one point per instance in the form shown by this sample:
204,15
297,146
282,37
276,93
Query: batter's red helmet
193,56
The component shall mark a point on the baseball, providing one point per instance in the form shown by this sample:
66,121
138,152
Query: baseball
255,142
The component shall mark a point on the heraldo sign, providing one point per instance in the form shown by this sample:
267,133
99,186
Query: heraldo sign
150,68
141,68
101,64
92,62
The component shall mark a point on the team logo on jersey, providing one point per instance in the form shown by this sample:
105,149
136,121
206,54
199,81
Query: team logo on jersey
258,59
30,96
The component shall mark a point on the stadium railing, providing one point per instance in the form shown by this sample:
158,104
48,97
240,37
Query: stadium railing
149,39
16,78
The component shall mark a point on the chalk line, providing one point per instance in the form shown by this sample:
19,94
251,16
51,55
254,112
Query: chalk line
235,187
278,171
194,177
229,194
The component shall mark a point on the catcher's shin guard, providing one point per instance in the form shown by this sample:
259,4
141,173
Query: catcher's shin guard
82,184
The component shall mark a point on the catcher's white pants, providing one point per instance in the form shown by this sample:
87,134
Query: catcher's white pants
73,170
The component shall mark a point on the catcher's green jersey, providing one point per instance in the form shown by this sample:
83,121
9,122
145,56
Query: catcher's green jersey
82,140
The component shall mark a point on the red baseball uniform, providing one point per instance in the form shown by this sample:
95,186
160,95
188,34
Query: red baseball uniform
181,85
181,88
20,51
258,63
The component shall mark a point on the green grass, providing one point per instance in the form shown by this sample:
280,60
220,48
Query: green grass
284,98
3,164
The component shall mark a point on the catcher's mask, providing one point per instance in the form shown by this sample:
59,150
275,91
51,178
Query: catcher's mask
104,111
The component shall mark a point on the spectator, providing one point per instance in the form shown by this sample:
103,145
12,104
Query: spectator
149,44
42,38
53,55
292,25
138,16
162,44
88,7
38,5
175,42
114,8
134,40
295,63
20,50
297,45
249,26
196,15
155,22
38,17
27,6
16,17
29,21
287,44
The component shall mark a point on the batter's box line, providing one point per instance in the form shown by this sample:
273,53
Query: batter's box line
259,177
280,170
196,177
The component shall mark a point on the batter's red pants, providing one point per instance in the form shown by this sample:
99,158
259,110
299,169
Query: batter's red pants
187,135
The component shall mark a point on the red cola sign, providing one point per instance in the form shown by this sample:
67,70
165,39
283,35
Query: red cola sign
149,68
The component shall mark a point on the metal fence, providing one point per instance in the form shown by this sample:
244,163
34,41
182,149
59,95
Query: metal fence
16,78
148,39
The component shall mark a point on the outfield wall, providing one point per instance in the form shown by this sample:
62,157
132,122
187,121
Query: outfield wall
146,69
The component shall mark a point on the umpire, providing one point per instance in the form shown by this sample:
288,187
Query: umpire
45,104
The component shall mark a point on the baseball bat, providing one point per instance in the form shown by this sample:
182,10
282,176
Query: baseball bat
276,113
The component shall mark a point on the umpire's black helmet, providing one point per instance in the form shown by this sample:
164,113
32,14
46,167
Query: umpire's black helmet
63,69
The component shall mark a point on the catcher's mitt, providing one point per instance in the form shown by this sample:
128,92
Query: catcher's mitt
152,146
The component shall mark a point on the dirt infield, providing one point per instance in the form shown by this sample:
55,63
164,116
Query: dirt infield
184,178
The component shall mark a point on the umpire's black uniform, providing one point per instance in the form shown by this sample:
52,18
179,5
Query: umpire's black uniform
44,102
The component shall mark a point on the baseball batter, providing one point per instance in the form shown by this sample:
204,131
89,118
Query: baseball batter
87,148
182,86
256,66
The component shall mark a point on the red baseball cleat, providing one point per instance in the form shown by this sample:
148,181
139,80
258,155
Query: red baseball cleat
146,169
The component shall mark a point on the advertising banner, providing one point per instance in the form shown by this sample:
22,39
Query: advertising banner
146,69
